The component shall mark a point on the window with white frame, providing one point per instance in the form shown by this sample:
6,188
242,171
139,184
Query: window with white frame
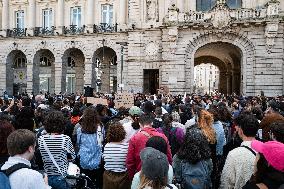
20,19
47,18
234,4
107,14
76,16
205,5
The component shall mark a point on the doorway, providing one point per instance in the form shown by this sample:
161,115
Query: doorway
151,81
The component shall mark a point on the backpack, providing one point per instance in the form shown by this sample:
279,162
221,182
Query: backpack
171,135
4,174
158,124
196,176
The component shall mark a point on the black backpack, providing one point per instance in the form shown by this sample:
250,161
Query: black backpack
171,135
4,174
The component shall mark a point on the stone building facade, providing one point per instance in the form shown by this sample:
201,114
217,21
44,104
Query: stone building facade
64,45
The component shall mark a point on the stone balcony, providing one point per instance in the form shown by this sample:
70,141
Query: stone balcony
221,16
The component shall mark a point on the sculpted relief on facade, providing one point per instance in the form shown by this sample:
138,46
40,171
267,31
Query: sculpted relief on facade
152,10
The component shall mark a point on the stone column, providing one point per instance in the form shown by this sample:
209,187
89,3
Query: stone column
32,16
60,16
30,75
180,5
192,5
3,76
5,15
122,13
60,76
90,14
89,73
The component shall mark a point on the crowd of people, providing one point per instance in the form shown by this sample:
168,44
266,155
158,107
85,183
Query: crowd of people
161,142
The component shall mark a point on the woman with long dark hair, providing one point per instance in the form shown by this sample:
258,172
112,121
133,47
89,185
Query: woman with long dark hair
89,145
192,164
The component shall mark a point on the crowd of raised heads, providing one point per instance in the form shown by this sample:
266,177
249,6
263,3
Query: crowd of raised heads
161,142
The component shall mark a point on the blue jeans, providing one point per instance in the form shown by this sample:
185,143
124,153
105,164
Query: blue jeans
58,182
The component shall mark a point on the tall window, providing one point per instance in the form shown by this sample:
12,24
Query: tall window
76,16
107,14
234,4
20,19
205,5
44,62
47,18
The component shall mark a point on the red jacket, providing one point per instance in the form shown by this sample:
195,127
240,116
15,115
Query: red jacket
136,144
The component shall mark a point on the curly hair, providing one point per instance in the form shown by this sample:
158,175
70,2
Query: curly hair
6,128
116,132
267,121
90,120
54,122
205,122
195,147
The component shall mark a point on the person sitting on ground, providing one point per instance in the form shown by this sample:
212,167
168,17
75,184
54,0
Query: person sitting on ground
21,147
154,170
239,164
160,144
269,166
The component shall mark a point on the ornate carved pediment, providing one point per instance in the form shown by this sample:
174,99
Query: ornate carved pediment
220,15
19,2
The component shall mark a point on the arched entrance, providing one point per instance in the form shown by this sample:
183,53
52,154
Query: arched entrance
227,57
44,69
16,73
206,78
106,63
73,68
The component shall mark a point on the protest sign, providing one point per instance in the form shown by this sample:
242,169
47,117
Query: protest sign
124,100
95,101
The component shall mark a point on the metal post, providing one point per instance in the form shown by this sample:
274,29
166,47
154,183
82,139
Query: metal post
122,48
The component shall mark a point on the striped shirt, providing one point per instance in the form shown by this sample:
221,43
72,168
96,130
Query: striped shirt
115,157
59,153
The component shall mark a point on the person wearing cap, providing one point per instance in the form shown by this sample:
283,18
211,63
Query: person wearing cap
269,166
239,164
160,144
132,126
154,171
138,142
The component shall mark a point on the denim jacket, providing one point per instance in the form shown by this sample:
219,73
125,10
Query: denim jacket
194,176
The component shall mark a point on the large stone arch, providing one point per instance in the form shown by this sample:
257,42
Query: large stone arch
246,48
40,70
16,75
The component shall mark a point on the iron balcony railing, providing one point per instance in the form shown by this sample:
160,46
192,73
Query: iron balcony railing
40,31
17,32
73,30
105,27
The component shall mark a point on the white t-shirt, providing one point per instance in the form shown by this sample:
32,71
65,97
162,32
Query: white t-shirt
129,131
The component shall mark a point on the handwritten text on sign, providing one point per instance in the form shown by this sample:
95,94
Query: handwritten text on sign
124,100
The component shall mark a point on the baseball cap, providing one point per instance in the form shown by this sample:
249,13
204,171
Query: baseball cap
155,165
273,152
134,110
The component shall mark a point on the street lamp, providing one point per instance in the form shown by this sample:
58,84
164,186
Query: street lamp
122,44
